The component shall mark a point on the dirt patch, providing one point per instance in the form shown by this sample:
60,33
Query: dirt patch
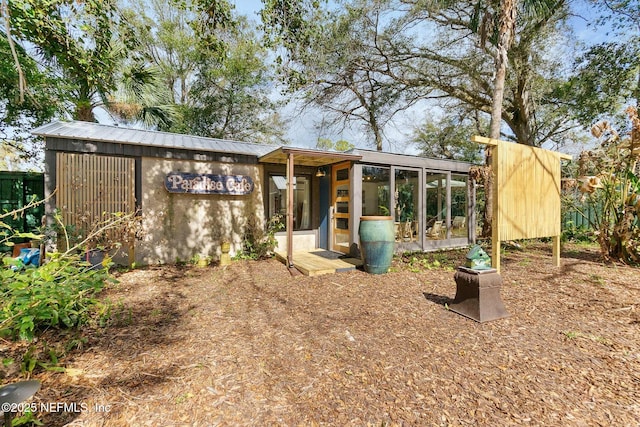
251,345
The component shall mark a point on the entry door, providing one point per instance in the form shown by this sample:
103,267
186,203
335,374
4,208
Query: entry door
340,202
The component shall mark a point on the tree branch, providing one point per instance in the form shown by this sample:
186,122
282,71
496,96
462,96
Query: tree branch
22,83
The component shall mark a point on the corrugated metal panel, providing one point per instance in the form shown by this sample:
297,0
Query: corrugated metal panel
115,134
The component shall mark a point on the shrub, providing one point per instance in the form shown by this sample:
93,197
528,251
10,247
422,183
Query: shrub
608,180
60,293
259,242
578,234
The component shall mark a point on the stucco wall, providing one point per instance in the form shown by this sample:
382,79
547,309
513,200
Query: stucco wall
178,227
302,241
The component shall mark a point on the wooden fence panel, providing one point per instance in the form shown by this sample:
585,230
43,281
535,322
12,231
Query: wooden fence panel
528,196
91,187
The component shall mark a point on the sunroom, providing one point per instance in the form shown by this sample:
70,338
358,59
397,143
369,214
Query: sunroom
431,200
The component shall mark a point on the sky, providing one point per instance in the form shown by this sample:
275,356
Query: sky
249,8
303,128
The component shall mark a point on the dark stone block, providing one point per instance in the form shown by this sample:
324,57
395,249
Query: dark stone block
478,295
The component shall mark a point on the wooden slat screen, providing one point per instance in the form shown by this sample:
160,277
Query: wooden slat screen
91,187
528,196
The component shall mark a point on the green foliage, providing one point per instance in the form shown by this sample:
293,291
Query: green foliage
291,24
405,203
80,49
339,145
212,17
90,54
578,234
27,418
609,182
106,232
416,265
40,103
113,315
419,261
450,138
259,242
59,294
169,44
230,99
200,260
324,144
37,356
606,77
8,235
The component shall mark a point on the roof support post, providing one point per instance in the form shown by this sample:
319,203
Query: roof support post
290,178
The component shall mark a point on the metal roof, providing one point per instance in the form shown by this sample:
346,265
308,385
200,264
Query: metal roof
266,153
408,160
116,134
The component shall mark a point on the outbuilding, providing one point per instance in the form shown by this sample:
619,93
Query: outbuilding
193,192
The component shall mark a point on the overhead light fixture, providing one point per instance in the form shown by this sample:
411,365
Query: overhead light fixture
320,173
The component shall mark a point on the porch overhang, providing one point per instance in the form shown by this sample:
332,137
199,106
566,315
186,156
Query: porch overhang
303,157
308,157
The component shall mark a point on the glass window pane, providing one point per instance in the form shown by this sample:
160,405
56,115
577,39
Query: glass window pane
301,200
342,238
459,204
406,198
375,191
277,196
436,205
342,174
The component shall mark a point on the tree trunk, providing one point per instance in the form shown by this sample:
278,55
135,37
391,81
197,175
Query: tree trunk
377,133
505,37
638,92
84,112
498,92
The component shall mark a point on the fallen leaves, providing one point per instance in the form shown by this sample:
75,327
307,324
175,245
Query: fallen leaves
250,344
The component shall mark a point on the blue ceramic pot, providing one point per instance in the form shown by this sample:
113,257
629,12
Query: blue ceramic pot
377,242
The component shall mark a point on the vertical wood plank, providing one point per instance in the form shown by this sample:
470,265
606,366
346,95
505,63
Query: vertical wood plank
132,206
290,177
556,250
91,185
526,194
496,221
72,192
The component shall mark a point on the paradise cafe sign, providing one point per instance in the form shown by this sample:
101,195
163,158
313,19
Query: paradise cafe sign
193,183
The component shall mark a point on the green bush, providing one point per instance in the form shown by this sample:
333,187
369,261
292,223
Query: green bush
59,294
608,181
259,242
578,234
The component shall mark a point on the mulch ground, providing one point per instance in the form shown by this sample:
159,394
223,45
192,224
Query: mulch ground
251,345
